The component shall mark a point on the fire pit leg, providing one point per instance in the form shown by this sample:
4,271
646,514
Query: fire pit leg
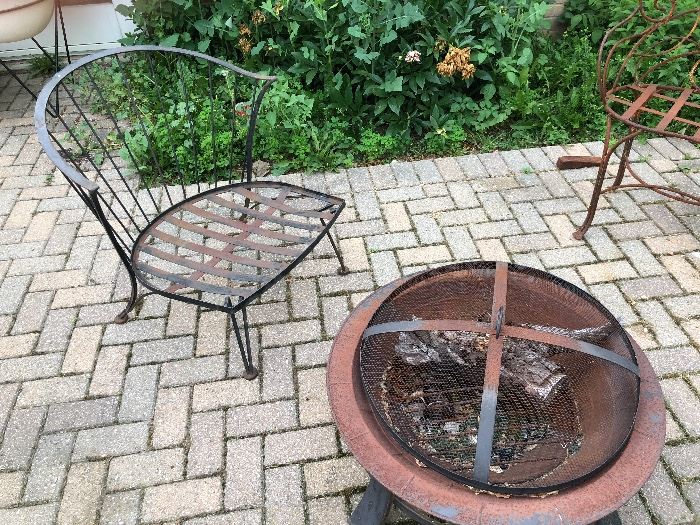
610,519
374,505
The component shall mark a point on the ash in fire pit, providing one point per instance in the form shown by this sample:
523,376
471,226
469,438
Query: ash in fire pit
505,380
436,379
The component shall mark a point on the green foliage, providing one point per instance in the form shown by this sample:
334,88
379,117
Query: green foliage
41,65
352,53
350,88
374,146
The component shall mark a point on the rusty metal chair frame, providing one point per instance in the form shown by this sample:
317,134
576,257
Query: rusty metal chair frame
628,55
220,244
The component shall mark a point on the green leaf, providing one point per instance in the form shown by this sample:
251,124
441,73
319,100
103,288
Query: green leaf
387,37
395,103
203,45
359,7
489,90
257,48
362,55
356,32
293,29
170,41
393,83
525,57
201,25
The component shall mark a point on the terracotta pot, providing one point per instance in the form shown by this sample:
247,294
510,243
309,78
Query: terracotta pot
20,19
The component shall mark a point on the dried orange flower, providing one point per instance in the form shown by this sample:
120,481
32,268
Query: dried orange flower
245,45
457,61
258,17
244,30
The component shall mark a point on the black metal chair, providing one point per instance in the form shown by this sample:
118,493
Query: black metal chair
152,140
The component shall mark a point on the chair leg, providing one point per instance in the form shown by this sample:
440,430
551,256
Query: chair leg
343,268
123,316
597,189
246,356
623,163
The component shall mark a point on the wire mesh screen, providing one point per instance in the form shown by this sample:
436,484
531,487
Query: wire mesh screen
564,366
151,127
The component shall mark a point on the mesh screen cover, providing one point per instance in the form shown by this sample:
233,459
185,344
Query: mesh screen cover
560,405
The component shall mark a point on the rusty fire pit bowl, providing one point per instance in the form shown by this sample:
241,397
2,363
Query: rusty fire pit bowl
413,382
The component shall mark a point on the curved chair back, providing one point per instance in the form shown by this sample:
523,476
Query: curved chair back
142,128
655,34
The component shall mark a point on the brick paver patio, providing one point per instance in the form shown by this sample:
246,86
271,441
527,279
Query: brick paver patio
150,422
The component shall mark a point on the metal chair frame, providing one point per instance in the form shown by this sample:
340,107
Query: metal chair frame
114,215
611,85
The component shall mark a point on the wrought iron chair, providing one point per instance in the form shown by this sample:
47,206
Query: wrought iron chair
163,188
633,58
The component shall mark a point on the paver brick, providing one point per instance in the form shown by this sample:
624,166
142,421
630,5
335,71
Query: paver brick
108,375
163,350
291,333
607,271
115,440
244,473
78,415
314,407
28,515
278,373
192,371
224,394
284,502
494,205
82,350
412,256
121,508
12,484
662,324
56,334
650,287
138,394
146,469
684,404
21,434
688,277
82,493
335,311
300,445
171,416
384,267
248,420
396,217
333,476
49,467
354,255
17,345
181,499
133,331
206,453
664,500
52,390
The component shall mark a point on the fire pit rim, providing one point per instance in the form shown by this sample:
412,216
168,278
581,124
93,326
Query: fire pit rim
430,491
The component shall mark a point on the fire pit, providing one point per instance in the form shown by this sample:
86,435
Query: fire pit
478,379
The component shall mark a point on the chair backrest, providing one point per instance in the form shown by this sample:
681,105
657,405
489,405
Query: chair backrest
641,46
138,129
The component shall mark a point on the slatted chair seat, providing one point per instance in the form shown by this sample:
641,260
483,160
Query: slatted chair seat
627,102
175,195
232,241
